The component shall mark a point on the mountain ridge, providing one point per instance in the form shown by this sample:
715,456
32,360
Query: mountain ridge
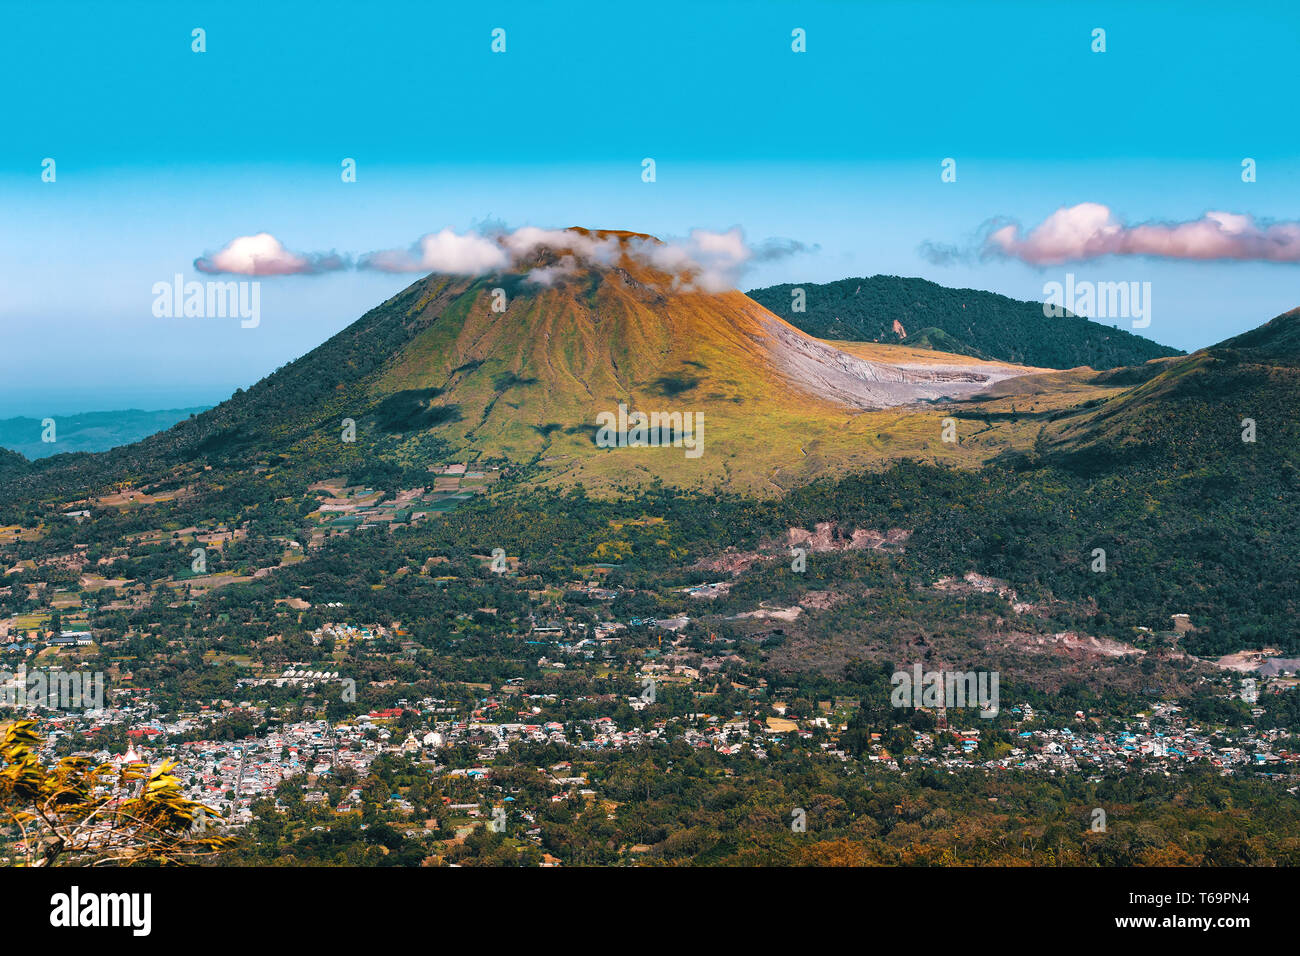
978,323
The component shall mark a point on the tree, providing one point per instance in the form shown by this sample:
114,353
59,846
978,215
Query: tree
79,814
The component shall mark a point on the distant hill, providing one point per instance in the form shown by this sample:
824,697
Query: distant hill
88,431
966,321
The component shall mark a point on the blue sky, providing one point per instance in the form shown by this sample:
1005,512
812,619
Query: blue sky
164,154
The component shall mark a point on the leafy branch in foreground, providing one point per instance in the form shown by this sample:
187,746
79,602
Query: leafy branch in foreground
79,814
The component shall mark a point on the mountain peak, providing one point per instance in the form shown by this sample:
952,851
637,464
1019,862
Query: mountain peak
620,234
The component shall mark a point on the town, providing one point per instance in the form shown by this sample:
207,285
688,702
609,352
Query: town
463,704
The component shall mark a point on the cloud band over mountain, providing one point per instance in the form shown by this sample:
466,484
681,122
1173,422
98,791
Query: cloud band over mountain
704,260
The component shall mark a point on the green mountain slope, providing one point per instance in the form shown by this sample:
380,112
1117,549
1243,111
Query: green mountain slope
1190,418
967,321
1276,341
1188,481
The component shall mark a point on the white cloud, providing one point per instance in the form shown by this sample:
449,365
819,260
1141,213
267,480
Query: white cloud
704,260
263,255
447,252
1091,230
526,240
549,275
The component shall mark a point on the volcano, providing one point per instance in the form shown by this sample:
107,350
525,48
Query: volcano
520,364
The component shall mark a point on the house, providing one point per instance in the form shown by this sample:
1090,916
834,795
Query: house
70,639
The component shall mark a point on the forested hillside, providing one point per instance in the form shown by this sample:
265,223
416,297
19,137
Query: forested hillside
966,321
